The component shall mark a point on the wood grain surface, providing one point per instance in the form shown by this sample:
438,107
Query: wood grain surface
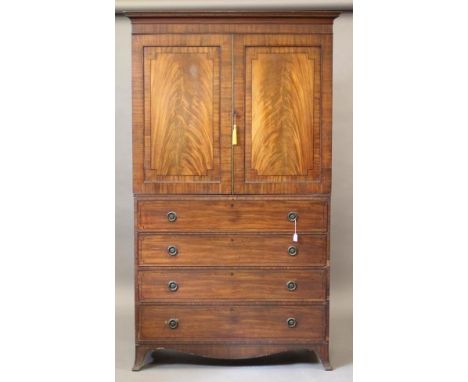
183,82
218,284
221,322
233,216
282,86
231,250
182,114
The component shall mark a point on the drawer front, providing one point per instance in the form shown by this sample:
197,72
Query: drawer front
232,216
228,322
202,284
239,249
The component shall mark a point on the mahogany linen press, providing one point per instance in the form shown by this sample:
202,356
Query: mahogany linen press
232,128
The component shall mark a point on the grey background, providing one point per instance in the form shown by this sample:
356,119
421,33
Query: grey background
341,237
151,5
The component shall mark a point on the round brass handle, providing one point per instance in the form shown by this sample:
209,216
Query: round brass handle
171,216
292,216
292,250
172,250
173,323
292,322
172,285
292,285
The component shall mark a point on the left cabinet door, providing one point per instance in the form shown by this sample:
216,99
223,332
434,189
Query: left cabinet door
182,92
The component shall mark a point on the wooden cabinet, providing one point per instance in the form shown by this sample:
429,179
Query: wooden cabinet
231,157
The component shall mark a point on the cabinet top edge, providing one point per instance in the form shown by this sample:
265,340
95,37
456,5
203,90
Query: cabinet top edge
325,15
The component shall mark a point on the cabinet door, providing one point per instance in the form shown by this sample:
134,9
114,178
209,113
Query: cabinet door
182,113
283,108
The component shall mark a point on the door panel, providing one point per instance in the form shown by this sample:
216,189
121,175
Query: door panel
284,123
180,87
281,111
182,114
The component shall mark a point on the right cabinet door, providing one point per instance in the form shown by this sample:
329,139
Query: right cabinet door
282,104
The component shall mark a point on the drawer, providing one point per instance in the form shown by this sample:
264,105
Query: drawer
232,215
203,284
228,322
238,249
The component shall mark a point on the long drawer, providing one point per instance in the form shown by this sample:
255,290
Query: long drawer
231,249
224,322
209,284
232,215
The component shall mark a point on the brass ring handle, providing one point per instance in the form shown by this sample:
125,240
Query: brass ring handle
292,322
172,250
173,323
291,285
171,216
172,286
292,250
292,216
